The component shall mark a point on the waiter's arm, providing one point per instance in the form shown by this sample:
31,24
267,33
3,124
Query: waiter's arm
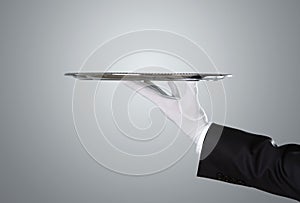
251,160
227,154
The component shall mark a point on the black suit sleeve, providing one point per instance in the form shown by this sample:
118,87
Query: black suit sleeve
251,160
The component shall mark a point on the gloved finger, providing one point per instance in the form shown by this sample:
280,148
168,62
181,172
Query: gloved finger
193,86
146,89
174,89
179,88
156,88
188,89
138,85
163,93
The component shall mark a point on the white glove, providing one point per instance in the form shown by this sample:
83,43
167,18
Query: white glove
182,107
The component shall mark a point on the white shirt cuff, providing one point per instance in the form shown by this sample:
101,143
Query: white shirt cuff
201,138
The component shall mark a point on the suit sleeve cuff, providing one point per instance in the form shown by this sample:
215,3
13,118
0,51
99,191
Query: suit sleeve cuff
210,140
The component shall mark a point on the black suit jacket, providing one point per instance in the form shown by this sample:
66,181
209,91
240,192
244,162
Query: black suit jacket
251,160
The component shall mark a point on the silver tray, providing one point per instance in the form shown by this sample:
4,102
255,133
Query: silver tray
137,76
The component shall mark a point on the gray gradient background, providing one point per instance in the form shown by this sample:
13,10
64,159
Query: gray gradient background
41,159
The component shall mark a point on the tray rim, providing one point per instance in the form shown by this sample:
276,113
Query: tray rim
158,76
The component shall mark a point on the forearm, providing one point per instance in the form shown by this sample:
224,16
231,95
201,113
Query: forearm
251,160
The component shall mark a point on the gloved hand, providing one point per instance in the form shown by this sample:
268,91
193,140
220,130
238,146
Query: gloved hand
182,107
